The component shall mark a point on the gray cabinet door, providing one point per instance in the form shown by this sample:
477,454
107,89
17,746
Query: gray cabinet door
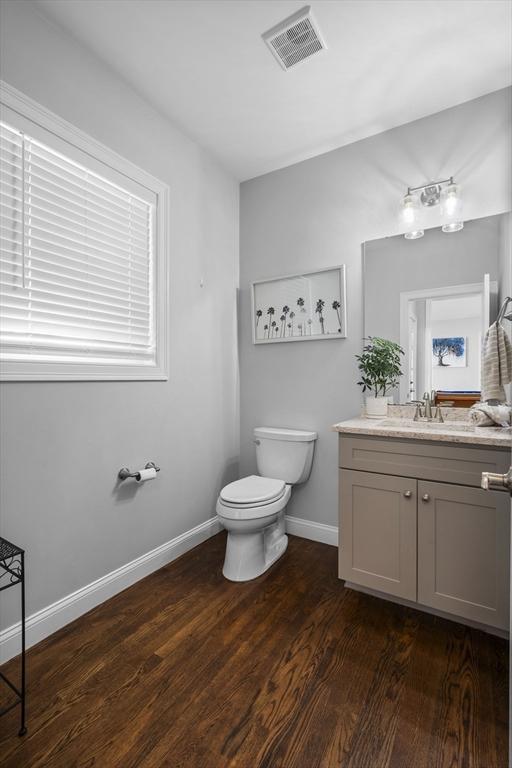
377,531
463,552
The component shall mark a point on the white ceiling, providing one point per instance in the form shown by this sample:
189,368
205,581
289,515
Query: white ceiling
204,65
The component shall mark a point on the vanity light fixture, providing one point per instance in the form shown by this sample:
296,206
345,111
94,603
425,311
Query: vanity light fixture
444,193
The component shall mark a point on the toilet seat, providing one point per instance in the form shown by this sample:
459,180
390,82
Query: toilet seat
233,505
252,491
231,511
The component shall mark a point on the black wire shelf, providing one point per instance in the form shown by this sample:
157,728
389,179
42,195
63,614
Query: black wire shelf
12,572
11,566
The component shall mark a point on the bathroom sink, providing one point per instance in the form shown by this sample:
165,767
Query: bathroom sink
420,426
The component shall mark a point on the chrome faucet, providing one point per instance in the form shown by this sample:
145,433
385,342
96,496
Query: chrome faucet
428,406
418,413
424,409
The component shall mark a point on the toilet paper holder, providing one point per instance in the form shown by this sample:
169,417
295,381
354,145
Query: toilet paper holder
125,473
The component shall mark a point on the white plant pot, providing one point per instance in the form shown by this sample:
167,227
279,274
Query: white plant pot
376,407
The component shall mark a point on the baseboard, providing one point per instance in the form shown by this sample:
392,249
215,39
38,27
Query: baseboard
307,529
48,620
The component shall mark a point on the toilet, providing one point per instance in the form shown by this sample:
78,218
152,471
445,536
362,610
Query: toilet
252,509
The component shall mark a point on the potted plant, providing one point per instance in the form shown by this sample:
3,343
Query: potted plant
380,371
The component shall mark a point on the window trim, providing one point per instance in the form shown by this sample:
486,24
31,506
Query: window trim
33,370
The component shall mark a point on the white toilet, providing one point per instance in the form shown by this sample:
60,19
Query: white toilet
252,509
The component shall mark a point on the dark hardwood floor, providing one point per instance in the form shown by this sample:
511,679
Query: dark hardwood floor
185,669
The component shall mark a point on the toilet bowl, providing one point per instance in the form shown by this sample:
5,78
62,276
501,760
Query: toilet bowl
252,509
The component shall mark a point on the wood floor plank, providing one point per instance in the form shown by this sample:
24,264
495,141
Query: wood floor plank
422,695
292,670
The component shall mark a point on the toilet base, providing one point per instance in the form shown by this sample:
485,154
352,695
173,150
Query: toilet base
248,555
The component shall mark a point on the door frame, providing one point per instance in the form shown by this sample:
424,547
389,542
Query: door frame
463,289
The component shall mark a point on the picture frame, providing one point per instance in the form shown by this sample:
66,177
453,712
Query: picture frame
449,352
308,306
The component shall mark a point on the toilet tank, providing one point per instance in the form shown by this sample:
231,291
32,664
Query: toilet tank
284,454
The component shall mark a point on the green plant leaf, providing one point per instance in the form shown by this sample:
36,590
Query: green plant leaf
379,365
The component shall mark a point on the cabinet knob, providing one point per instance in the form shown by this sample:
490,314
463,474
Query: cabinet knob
407,494
425,497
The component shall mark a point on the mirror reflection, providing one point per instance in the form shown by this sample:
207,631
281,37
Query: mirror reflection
436,296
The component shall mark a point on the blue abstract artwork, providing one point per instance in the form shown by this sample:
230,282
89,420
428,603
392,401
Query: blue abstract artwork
449,352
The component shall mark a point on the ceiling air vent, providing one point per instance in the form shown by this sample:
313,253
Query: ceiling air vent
295,39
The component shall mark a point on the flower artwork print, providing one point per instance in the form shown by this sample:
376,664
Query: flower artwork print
449,352
300,308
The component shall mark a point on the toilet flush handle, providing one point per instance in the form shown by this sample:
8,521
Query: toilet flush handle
256,441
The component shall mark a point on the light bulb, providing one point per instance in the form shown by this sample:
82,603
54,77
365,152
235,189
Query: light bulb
409,209
450,205
451,208
410,216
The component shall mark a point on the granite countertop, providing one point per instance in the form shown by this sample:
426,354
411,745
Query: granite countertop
456,428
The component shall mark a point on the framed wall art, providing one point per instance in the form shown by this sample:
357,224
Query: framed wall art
449,352
310,306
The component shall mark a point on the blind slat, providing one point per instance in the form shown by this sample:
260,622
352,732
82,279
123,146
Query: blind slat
43,305
45,188
45,278
111,330
37,223
39,266
81,245
66,256
44,343
80,219
58,299
65,166
79,330
35,169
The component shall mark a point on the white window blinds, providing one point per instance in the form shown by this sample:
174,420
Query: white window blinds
76,269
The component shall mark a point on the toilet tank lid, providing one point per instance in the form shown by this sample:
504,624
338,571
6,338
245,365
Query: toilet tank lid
293,435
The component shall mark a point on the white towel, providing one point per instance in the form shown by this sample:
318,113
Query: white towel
484,415
496,363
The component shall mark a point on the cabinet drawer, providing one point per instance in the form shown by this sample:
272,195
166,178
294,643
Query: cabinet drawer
424,460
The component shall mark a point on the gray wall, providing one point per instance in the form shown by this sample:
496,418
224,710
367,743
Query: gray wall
317,214
63,443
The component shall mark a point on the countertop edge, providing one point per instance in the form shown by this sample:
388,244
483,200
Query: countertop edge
502,442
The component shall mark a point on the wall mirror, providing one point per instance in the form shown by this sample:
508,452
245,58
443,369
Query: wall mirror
436,297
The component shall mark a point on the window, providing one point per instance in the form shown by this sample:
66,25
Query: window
82,272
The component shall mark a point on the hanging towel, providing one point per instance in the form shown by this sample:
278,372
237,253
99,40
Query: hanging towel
496,363
484,415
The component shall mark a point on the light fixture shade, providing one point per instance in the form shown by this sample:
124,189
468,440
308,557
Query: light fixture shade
410,213
451,208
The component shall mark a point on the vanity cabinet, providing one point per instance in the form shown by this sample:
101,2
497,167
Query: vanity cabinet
403,533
